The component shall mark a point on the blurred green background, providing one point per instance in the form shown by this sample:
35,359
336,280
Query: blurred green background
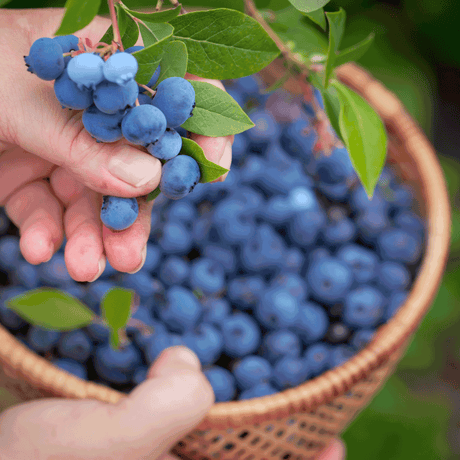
416,55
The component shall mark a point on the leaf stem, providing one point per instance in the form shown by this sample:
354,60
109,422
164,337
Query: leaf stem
150,90
116,29
176,3
159,5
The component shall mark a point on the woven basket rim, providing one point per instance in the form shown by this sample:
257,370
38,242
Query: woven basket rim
324,388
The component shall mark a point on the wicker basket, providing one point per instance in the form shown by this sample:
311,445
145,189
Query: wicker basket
297,423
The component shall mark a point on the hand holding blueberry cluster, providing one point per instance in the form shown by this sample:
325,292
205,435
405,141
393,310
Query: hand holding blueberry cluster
115,107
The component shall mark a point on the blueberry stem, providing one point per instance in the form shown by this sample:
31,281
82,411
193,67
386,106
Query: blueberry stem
116,29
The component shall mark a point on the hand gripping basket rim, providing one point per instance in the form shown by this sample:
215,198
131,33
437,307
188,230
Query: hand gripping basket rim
391,337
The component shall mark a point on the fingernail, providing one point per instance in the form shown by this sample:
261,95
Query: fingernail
51,252
143,255
134,167
102,264
178,357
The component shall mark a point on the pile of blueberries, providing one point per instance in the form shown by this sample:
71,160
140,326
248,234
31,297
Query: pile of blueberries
116,107
272,277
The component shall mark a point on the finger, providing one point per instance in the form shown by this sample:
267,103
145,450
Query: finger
335,451
38,215
216,149
84,251
58,135
170,358
126,250
146,424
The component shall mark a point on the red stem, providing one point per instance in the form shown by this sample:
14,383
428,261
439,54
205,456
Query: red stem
116,29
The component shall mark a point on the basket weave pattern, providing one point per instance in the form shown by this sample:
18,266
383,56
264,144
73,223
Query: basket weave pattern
297,423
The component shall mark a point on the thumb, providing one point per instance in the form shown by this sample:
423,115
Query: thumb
146,424
38,124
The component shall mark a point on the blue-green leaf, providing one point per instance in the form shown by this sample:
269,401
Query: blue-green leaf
153,194
364,135
78,14
131,33
224,43
158,16
116,308
209,170
317,17
336,30
216,113
332,108
52,309
353,53
174,61
307,6
155,32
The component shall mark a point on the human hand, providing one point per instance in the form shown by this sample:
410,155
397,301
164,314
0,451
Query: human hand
39,139
146,424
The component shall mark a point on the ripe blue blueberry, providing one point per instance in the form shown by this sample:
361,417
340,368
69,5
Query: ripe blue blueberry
42,340
207,343
361,338
69,95
364,307
182,211
110,98
175,239
208,276
290,372
72,367
251,370
277,309
222,382
244,292
26,275
86,70
400,246
96,292
168,145
306,226
371,224
120,68
298,139
258,391
312,322
140,375
118,213
175,97
9,317
393,276
225,256
396,300
67,42
152,258
362,261
10,252
101,126
157,343
76,345
281,343
241,335
45,59
407,220
54,272
155,75
143,125
318,358
174,270
266,130
341,354
216,310
293,283
141,282
179,177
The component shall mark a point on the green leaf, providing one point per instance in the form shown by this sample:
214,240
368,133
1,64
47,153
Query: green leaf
353,53
108,36
364,135
307,6
4,2
150,57
317,17
116,310
78,14
153,33
52,309
336,30
159,16
209,170
131,34
216,113
332,108
224,43
174,61
153,194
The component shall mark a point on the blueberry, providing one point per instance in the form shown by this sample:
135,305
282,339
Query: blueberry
9,317
360,202
318,358
120,68
239,148
340,354
175,239
329,280
116,366
157,343
225,256
337,333
141,282
69,95
312,322
68,43
144,99
75,289
251,370
119,213
140,375
216,310
258,391
4,222
86,70
102,126
98,333
290,372
42,340
207,343
152,258
281,343
393,276
277,309
222,382
143,125
396,300
174,270
95,293
306,226
72,367
182,311
10,252
110,98
232,225
364,307
76,345
155,75
339,231
208,276
400,246
182,211
371,224
298,139
407,220
245,291
361,338
45,59
54,272
293,283
335,168
179,177
175,97
168,145
26,275
241,335
362,261
294,260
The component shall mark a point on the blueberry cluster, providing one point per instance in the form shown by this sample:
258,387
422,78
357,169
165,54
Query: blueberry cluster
116,107
283,271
